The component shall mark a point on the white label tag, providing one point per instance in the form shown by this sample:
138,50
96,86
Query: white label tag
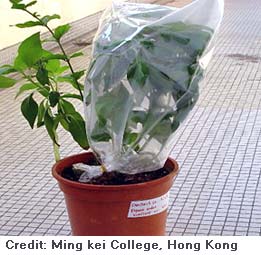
143,208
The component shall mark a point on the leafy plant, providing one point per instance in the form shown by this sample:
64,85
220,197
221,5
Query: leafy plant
140,88
41,72
144,81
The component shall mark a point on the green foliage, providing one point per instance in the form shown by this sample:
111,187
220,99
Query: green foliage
73,122
40,115
130,137
30,50
40,73
6,82
50,126
48,18
138,73
29,109
71,95
112,106
54,97
29,24
161,69
76,54
25,87
160,66
72,78
77,129
7,69
60,31
17,4
31,3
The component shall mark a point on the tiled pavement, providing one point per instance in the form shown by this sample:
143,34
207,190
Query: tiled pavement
218,189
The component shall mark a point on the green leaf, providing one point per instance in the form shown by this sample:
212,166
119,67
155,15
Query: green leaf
44,91
174,36
148,44
29,24
42,76
50,126
49,56
29,110
138,73
69,79
31,3
6,82
78,75
19,63
101,137
40,115
70,95
25,87
6,69
162,131
174,126
30,50
76,54
67,107
54,66
15,1
78,131
16,4
73,122
54,97
192,69
49,39
48,18
138,116
129,137
100,132
61,70
61,30
116,101
66,78
161,83
64,124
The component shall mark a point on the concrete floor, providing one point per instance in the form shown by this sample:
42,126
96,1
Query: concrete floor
218,189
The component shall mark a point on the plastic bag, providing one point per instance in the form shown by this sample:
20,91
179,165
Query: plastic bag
147,62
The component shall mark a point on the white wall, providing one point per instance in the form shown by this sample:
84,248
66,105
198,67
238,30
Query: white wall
69,10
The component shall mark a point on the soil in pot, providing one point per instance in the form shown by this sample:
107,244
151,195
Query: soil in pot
115,178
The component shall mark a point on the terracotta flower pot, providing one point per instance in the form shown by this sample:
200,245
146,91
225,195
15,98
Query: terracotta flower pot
134,209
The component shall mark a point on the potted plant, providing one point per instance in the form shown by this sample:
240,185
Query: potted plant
141,83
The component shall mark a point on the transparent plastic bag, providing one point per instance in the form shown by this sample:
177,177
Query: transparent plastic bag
146,65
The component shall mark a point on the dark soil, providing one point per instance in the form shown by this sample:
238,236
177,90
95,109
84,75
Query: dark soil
116,178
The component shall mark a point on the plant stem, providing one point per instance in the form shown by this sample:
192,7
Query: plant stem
62,49
56,149
56,152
